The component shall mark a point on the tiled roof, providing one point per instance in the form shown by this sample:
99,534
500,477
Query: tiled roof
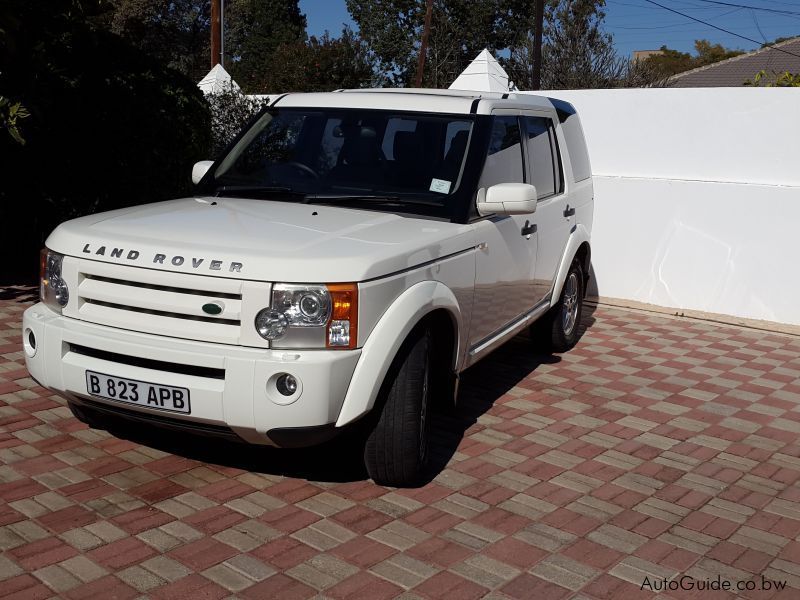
781,57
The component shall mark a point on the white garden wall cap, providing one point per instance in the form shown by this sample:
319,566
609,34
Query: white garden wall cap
333,245
218,81
484,73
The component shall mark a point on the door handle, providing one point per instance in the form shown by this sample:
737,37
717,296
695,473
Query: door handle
569,212
529,228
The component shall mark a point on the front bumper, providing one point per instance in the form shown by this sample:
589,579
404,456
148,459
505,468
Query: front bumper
231,387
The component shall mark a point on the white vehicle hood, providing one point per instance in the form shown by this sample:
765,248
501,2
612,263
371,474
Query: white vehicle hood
260,240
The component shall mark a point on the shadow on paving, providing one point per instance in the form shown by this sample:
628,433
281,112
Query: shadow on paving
20,293
341,459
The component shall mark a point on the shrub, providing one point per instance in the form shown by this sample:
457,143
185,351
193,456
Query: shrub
109,127
230,112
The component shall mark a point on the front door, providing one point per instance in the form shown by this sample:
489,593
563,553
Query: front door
506,258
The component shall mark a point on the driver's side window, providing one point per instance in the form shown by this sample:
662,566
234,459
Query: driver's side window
504,158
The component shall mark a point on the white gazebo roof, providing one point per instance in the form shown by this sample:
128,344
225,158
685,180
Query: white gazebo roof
218,80
484,74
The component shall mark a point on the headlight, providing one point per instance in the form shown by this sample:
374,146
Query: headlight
53,290
310,316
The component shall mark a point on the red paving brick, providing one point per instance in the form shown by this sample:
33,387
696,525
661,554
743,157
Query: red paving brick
671,442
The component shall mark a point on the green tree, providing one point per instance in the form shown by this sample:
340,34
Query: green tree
176,33
778,40
773,79
460,29
254,29
708,53
322,64
108,126
576,51
671,62
11,113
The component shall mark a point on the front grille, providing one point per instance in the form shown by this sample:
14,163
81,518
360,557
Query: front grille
161,313
146,363
159,302
165,288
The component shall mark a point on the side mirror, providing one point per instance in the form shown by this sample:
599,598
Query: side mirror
200,169
508,199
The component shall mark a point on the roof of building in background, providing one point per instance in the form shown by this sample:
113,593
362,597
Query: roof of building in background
644,54
483,74
733,72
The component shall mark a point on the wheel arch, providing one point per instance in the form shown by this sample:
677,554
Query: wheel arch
578,246
429,302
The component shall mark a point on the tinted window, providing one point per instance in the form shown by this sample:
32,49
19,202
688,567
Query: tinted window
504,157
578,155
543,159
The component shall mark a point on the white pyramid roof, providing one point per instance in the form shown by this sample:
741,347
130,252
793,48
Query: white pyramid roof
484,74
218,80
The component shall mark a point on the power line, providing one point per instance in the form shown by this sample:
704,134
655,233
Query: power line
761,8
752,41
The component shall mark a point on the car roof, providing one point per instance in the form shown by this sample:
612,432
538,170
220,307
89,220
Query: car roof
416,99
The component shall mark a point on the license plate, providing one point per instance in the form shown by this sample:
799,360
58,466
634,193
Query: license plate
140,393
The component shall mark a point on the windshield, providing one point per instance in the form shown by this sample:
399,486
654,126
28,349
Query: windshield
386,160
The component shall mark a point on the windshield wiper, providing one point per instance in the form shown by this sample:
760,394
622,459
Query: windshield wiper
366,199
256,190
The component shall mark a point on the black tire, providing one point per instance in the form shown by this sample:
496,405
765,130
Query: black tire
397,449
558,329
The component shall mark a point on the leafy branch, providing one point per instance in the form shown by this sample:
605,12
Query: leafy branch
10,114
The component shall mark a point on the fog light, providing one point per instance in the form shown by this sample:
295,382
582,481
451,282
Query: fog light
29,343
286,384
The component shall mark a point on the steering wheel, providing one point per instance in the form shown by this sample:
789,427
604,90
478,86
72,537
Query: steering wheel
303,167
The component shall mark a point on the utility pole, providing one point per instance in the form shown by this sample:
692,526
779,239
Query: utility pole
537,44
423,47
216,32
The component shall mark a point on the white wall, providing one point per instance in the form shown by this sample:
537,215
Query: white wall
697,197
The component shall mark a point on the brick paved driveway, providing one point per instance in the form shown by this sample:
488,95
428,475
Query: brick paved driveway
659,447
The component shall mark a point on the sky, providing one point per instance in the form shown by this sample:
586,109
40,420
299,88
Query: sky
640,25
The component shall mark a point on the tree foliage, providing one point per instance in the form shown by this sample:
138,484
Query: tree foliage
254,30
671,62
460,29
176,33
322,64
231,110
773,79
11,113
108,127
576,52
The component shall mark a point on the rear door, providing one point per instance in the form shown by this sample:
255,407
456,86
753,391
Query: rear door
554,218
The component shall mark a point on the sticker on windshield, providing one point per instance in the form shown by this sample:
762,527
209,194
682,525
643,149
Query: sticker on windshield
441,186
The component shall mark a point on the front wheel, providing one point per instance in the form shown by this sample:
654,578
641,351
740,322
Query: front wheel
396,452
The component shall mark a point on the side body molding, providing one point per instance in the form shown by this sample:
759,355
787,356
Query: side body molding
576,238
386,338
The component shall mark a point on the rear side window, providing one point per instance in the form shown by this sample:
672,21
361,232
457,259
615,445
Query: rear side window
544,162
504,157
578,155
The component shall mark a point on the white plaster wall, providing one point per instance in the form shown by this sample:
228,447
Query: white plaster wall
697,197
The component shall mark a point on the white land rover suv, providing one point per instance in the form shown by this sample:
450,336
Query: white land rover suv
343,261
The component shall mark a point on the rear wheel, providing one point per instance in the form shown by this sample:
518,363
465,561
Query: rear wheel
559,327
397,449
